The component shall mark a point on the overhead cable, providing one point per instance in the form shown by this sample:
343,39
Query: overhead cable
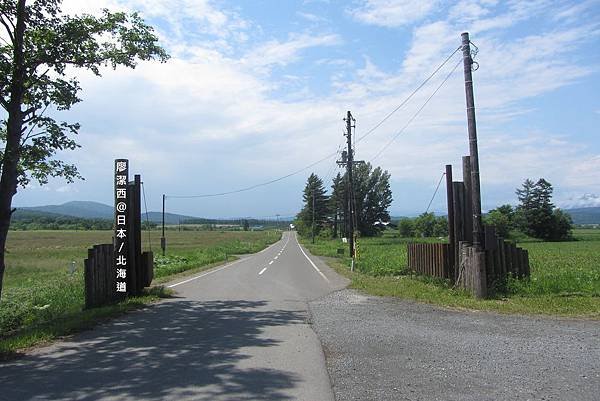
416,114
409,96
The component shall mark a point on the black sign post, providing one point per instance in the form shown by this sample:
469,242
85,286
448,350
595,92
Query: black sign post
121,239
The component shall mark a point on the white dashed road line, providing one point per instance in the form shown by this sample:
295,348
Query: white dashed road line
311,262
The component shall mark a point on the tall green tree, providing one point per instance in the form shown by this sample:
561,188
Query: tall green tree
536,214
314,194
526,206
337,200
372,198
41,43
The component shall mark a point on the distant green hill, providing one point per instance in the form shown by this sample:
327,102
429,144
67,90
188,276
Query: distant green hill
83,209
585,215
91,210
99,211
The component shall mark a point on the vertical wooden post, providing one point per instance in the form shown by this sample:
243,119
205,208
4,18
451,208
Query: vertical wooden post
133,257
502,257
508,258
458,203
468,198
88,277
163,241
450,202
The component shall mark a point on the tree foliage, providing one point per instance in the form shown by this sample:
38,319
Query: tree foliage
536,216
502,218
337,202
314,198
406,227
372,198
39,49
38,73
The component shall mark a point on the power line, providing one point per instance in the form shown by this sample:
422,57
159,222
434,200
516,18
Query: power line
409,96
417,113
338,152
329,155
435,192
262,184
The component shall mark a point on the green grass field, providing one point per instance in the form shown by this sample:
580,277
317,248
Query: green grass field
41,298
565,276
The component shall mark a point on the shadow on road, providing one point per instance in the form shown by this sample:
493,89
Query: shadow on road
174,350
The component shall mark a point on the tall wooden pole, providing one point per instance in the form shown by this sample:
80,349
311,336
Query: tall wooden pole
479,268
475,184
163,242
349,168
313,215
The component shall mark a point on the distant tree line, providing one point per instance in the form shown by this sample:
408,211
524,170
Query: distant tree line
246,224
426,225
371,200
59,223
24,221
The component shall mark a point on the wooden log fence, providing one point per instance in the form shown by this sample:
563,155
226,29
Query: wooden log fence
435,259
430,259
454,261
100,278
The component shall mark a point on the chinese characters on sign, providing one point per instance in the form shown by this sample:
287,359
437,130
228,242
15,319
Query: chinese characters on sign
121,239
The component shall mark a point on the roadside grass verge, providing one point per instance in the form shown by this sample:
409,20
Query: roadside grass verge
14,343
42,299
565,277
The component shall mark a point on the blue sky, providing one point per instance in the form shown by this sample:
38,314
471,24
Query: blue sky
257,89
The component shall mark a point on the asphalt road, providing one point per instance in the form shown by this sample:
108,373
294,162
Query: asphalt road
238,332
272,327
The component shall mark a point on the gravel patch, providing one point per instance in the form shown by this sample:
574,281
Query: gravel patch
389,349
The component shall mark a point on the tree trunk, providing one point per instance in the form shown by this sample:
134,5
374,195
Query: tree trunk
10,161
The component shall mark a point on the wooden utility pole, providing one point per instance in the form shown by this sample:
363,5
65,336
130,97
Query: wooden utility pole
163,242
475,184
349,168
478,241
313,215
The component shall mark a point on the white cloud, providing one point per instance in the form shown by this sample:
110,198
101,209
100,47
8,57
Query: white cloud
311,17
580,200
67,189
208,121
184,19
392,13
275,52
